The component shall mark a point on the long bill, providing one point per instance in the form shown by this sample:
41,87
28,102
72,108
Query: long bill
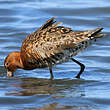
9,73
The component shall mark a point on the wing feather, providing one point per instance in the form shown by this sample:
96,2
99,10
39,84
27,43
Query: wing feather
54,44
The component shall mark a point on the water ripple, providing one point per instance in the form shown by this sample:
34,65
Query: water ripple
30,90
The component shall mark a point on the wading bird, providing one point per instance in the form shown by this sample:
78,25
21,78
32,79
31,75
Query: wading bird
50,45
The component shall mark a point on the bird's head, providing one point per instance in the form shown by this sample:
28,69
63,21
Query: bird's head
12,62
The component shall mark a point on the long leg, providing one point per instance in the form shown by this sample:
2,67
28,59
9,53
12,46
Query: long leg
81,65
51,73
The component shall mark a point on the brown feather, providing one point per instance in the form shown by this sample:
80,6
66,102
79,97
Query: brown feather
54,44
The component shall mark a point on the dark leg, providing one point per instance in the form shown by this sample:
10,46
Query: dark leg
51,73
81,65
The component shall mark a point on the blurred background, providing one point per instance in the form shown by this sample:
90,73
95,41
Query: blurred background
32,90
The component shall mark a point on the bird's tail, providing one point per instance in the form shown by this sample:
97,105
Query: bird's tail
89,37
95,33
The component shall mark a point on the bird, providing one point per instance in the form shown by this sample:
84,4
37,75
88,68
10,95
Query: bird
49,45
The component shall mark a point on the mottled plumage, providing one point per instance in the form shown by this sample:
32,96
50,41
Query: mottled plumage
52,44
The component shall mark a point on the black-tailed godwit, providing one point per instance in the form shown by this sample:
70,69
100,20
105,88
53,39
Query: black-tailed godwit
50,45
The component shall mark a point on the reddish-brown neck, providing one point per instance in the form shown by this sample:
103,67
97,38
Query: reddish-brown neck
19,62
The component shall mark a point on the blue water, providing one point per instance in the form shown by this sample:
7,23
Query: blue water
32,90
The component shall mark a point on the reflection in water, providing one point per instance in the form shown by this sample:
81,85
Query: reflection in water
55,106
33,86
51,94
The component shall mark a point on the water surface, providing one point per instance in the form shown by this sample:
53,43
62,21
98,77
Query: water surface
32,90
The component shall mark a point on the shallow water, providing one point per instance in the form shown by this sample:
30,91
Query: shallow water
32,90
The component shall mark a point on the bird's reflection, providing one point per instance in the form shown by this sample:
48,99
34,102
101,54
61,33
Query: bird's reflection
55,106
34,86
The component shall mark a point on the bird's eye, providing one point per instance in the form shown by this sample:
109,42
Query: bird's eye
7,64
